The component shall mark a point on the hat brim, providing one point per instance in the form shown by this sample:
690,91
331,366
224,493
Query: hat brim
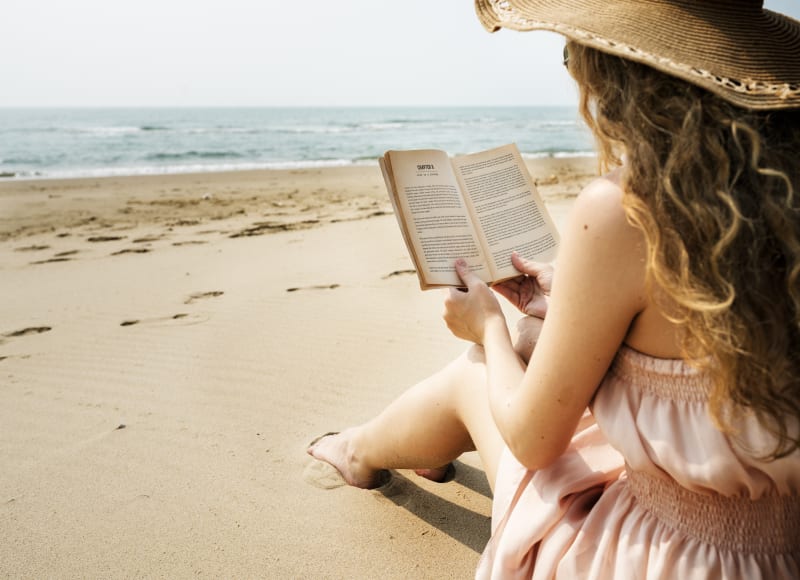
737,50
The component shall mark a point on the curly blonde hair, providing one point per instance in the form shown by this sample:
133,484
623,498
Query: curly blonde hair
715,189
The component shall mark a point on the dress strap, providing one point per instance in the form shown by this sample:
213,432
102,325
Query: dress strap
768,525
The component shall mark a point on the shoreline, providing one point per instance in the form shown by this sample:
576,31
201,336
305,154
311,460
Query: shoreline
158,171
288,198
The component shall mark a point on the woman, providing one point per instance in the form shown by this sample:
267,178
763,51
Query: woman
674,315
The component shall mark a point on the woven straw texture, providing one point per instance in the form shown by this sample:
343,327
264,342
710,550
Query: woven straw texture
734,48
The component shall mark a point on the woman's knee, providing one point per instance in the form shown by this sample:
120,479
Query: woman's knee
525,336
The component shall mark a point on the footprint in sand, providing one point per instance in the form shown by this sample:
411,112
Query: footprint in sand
59,257
323,475
260,228
317,287
23,332
51,260
201,295
131,251
34,248
399,273
146,239
180,319
105,238
27,331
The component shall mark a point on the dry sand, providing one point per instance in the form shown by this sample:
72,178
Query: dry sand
170,344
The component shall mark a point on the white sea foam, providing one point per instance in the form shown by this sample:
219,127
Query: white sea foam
311,129
187,168
562,123
384,126
559,154
103,131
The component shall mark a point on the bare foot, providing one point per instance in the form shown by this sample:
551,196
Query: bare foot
337,450
437,474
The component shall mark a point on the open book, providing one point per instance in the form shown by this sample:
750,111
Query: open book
480,207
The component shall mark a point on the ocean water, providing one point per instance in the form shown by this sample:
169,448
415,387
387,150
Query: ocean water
116,141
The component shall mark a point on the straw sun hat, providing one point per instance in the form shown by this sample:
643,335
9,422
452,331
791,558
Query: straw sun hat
734,48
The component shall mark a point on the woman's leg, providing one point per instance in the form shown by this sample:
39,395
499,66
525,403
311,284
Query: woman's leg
428,426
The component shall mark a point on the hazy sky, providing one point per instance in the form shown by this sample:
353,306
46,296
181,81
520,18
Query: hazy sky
270,52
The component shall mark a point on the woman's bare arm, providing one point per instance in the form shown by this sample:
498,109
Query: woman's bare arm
598,290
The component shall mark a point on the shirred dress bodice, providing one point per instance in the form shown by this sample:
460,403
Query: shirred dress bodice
650,488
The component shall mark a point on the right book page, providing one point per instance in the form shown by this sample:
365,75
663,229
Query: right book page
508,211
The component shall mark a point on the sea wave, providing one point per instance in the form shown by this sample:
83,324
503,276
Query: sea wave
311,129
559,154
384,126
171,156
106,131
372,126
167,169
560,124
10,161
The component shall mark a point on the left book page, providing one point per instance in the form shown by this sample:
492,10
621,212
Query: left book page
433,216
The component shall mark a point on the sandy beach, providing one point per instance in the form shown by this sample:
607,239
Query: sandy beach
170,344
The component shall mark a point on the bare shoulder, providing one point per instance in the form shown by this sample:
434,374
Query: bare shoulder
602,200
598,213
601,248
